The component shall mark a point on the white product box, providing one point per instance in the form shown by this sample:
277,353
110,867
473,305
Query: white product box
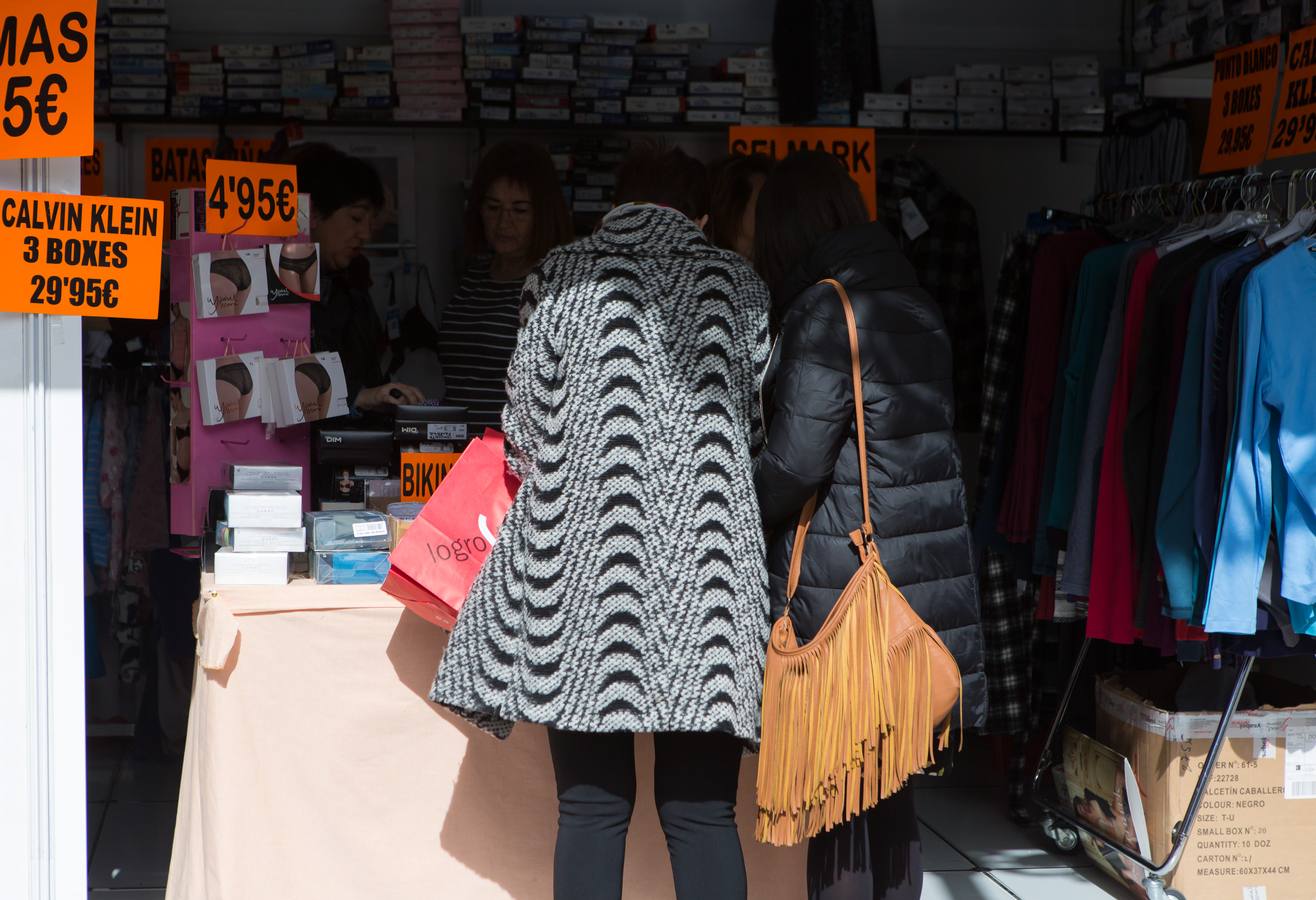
1079,66
744,65
1065,88
716,87
1036,90
978,72
1095,124
233,568
619,23
490,24
681,31
982,89
714,116
1027,122
1030,106
1025,74
267,540
933,86
981,121
932,104
886,102
760,79
1081,106
932,121
265,478
263,509
993,105
882,118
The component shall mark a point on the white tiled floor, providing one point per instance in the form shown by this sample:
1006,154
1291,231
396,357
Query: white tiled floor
971,849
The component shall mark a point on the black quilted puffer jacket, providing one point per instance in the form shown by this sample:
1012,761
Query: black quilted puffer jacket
917,494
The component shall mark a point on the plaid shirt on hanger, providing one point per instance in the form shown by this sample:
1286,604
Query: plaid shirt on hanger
947,260
1006,342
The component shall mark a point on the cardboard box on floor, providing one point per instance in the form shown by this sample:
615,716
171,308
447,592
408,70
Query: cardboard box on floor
1256,828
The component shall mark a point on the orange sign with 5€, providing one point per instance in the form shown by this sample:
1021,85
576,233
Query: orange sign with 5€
47,75
61,254
854,147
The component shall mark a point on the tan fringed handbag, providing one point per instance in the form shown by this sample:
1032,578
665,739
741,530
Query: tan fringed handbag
849,717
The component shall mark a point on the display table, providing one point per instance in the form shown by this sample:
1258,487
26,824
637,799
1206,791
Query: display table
316,768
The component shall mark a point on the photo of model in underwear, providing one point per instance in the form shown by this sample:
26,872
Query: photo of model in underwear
298,268
230,283
234,387
314,389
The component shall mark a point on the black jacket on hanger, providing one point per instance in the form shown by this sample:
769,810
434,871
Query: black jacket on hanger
824,51
917,492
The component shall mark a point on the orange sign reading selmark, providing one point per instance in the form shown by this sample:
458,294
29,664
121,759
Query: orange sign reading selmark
1294,131
422,473
80,256
47,74
854,147
1242,100
254,198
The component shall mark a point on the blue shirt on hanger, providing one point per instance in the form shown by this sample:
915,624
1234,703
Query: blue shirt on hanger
1271,464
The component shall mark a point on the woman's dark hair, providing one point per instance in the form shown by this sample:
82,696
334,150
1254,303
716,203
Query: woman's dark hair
665,176
733,186
236,374
529,165
808,195
315,370
334,179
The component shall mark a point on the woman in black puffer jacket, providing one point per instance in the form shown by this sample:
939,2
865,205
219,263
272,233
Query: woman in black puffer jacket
812,224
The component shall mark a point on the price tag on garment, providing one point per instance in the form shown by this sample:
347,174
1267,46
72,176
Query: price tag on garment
1294,131
66,255
1242,100
93,171
47,74
911,220
251,198
854,147
423,472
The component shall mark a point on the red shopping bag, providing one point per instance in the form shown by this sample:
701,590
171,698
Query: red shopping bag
435,563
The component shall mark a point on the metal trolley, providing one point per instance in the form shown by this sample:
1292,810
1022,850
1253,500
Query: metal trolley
1063,828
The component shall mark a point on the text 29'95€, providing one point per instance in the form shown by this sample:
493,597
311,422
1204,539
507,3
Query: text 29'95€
47,73
80,256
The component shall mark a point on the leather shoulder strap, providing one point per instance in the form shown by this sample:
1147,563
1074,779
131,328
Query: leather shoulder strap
863,536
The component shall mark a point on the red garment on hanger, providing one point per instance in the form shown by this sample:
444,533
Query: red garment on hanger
1114,571
1055,272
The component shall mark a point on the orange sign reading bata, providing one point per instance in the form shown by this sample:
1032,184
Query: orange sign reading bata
1294,131
62,254
1242,99
173,163
422,473
854,147
47,75
93,171
254,198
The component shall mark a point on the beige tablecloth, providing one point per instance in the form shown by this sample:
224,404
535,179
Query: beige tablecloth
316,769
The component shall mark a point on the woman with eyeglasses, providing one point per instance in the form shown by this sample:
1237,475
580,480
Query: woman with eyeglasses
515,214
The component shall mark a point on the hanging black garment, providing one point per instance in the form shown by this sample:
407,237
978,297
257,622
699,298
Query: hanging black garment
825,51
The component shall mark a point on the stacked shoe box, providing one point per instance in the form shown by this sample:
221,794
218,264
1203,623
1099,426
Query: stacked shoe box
605,69
308,78
261,525
716,101
1076,86
101,94
884,110
659,90
592,177
756,78
374,60
1029,104
137,33
348,546
543,90
198,85
493,48
980,97
253,79
427,60
933,102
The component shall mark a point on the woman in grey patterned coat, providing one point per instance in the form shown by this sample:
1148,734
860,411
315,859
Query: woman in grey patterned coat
627,591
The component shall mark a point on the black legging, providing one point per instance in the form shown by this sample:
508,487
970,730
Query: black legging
877,856
694,781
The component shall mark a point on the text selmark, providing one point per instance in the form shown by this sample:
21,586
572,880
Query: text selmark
1247,62
79,216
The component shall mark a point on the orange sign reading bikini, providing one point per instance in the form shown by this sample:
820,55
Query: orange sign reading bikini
1294,131
1242,100
854,147
47,74
80,256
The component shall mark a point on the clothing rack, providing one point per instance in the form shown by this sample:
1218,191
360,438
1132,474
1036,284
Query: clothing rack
1203,195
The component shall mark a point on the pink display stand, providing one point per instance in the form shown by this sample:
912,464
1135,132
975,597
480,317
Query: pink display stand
214,447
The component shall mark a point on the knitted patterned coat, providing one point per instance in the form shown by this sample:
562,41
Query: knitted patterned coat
627,590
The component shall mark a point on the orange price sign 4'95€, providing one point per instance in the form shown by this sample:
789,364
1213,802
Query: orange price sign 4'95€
1242,100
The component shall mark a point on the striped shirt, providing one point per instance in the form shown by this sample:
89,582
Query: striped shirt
476,341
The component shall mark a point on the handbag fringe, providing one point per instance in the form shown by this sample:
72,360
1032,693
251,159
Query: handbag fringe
836,737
